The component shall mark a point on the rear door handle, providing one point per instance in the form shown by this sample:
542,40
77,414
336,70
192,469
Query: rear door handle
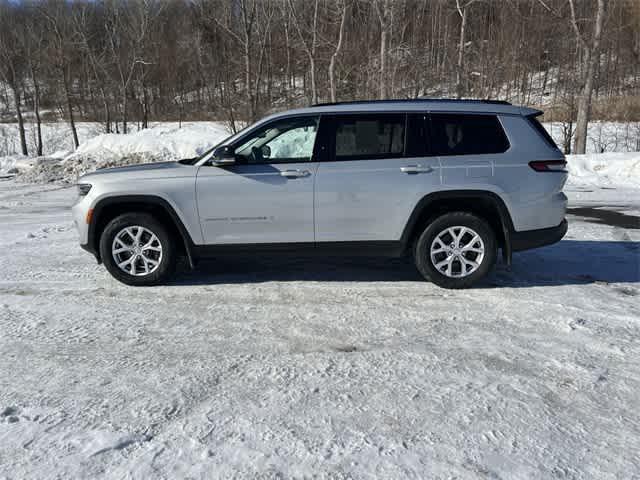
295,173
413,169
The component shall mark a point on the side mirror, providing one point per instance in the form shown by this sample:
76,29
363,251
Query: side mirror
224,155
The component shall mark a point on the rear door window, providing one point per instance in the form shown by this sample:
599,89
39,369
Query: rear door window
368,136
467,134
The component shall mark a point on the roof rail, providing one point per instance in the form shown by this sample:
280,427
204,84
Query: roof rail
419,99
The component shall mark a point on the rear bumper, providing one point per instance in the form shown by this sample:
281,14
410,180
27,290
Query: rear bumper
538,238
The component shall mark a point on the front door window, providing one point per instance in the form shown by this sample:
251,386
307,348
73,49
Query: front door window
289,140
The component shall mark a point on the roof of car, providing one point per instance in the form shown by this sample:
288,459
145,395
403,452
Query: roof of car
417,104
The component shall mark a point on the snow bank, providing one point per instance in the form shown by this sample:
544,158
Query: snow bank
605,169
56,137
162,142
166,141
603,136
15,163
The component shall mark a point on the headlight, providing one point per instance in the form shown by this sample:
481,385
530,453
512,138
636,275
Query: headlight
83,189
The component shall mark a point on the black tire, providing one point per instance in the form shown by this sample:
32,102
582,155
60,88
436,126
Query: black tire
167,263
422,250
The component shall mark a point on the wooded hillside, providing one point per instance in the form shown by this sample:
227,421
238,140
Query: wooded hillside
119,62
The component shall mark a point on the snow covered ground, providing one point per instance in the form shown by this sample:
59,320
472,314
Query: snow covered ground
333,369
295,368
604,136
164,141
58,142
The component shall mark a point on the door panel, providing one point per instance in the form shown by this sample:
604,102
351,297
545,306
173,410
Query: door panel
267,195
375,171
369,200
256,203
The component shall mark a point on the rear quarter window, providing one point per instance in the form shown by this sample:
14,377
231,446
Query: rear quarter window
466,134
533,121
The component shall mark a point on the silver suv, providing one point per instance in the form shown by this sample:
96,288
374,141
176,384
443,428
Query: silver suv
447,181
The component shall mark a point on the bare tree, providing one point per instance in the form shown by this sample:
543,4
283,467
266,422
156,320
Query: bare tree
336,51
63,53
591,59
33,35
127,32
247,13
95,53
383,9
12,65
462,9
309,45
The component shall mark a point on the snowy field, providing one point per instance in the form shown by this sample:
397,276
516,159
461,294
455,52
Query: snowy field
329,368
333,369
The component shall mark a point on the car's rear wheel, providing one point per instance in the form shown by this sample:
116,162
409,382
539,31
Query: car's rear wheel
137,249
456,250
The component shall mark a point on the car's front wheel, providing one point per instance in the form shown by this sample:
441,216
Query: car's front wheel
137,249
456,250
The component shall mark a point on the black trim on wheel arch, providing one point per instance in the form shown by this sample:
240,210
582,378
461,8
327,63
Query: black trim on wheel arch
92,242
423,206
538,238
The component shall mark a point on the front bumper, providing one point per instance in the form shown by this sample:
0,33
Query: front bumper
79,214
538,238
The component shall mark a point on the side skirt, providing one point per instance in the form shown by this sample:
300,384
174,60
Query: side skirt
391,249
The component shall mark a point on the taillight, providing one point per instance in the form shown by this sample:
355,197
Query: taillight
549,165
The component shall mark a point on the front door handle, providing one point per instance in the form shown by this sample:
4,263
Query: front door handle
413,169
295,173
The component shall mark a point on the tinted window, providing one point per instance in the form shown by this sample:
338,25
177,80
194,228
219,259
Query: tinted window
417,138
282,141
542,131
455,134
369,136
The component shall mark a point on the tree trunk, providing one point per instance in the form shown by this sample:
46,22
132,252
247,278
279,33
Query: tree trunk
336,52
591,61
288,51
124,110
247,79
384,16
145,108
312,57
72,122
460,62
107,112
384,34
312,74
36,109
23,138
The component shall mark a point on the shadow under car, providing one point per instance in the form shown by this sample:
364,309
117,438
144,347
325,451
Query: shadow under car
568,262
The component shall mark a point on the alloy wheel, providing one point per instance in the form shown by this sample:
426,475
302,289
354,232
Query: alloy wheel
136,250
457,251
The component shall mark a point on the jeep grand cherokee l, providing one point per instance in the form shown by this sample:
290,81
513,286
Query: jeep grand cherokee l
449,182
